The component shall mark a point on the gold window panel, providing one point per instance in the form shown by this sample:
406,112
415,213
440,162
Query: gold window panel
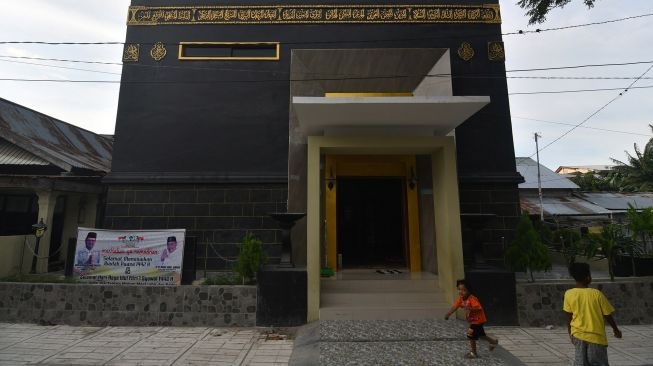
231,46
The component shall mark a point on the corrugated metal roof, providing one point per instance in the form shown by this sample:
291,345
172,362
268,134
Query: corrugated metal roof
527,167
560,206
55,141
618,201
11,154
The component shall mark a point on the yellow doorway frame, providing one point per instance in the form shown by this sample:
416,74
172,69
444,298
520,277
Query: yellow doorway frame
371,166
448,240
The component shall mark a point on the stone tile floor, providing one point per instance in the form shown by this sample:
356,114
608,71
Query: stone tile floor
540,346
26,344
426,344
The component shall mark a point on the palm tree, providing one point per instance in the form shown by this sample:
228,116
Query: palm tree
640,225
608,244
637,173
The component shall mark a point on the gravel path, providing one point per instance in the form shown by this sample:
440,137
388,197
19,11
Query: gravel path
405,343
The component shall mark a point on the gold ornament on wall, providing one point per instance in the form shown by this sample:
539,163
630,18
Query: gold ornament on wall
130,53
465,51
158,51
315,14
495,51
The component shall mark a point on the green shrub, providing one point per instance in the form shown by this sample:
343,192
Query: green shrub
250,260
569,243
226,279
526,252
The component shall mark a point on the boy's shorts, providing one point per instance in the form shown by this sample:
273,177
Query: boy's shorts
588,353
475,331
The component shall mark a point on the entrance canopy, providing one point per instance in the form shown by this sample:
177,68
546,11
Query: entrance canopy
377,91
424,115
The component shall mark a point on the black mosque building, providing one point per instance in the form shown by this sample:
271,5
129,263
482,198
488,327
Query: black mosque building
387,123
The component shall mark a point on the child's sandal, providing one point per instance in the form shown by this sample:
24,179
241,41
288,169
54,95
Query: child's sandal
494,345
471,355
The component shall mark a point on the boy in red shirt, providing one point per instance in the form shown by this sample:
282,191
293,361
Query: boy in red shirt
475,316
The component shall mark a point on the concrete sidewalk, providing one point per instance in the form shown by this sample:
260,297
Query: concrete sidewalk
28,344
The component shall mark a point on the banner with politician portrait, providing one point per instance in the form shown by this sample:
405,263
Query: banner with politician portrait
144,257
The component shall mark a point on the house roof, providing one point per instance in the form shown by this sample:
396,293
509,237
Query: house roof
617,201
11,154
527,167
591,168
560,205
38,137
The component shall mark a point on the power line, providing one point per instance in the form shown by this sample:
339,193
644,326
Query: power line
587,127
444,75
62,60
579,25
187,67
596,112
518,32
580,66
160,82
60,67
579,90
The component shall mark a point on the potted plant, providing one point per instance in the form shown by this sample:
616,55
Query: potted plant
526,252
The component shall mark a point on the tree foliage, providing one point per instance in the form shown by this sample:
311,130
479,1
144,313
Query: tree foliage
569,243
640,225
596,182
538,9
637,171
526,253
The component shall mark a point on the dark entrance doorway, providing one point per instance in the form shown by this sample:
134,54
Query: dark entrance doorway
370,216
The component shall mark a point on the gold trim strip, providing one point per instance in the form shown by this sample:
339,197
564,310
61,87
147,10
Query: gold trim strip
275,58
365,95
313,14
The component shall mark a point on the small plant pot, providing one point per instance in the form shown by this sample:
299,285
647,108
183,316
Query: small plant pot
326,272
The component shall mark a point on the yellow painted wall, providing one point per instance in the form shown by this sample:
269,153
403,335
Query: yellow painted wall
11,248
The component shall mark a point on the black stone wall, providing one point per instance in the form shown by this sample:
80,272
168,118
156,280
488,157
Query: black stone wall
495,233
217,215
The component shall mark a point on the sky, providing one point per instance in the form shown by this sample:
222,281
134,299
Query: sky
93,106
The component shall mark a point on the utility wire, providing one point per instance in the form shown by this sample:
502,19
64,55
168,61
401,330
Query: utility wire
281,80
587,127
595,112
578,91
578,25
288,72
61,67
518,32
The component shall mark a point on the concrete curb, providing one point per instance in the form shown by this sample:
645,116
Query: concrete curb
306,350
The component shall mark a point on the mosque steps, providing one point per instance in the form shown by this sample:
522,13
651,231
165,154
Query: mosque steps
382,299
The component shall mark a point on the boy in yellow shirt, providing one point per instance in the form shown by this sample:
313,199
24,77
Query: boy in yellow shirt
586,310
